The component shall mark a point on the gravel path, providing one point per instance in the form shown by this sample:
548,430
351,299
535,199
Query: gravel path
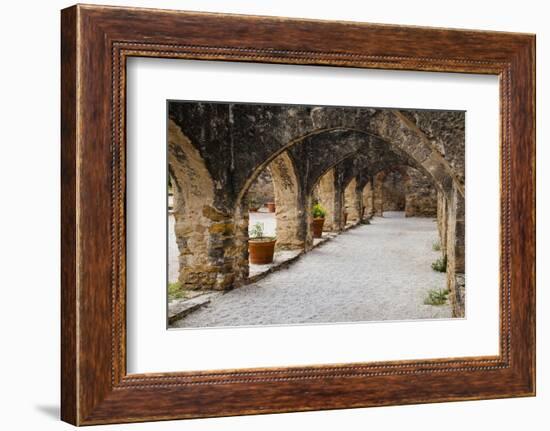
379,271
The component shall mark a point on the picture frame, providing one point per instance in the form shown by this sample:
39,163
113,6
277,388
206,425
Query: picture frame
96,41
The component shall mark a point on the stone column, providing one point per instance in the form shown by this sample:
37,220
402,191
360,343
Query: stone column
204,230
339,198
352,203
368,200
442,221
327,198
378,200
456,251
306,201
288,210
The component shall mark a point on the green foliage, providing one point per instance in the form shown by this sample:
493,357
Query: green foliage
436,246
256,231
437,297
175,291
440,265
318,211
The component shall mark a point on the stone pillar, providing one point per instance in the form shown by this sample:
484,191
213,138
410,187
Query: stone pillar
327,198
204,231
352,203
288,208
338,198
378,199
359,203
240,262
442,221
456,251
307,220
368,200
205,238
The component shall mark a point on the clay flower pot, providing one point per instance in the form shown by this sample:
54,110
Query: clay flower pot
253,209
260,250
271,207
317,227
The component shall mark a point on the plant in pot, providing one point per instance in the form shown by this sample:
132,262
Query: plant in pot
260,247
318,213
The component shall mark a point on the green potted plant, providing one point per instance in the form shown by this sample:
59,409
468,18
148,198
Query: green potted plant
260,247
318,213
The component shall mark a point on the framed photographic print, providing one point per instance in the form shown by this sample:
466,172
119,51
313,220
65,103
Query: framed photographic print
267,215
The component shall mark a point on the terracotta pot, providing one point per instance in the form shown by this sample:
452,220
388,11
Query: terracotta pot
345,218
253,209
271,207
317,227
261,251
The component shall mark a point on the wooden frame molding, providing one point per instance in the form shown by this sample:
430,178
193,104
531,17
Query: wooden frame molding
95,43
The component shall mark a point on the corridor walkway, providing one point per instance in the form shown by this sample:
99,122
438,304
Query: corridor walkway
380,271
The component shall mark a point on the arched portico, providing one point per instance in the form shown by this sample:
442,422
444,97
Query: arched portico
217,150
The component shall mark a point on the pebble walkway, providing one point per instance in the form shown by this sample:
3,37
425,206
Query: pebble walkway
375,272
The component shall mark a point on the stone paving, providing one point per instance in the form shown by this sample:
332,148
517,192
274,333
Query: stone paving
380,271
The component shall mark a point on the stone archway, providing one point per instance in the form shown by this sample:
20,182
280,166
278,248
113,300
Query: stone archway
200,228
232,142
290,232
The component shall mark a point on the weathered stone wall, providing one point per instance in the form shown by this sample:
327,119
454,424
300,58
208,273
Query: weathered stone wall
394,191
420,195
402,188
238,140
218,150
446,131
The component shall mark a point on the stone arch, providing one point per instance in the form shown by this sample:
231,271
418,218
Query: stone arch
290,227
200,229
265,130
325,192
404,188
250,136
290,232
